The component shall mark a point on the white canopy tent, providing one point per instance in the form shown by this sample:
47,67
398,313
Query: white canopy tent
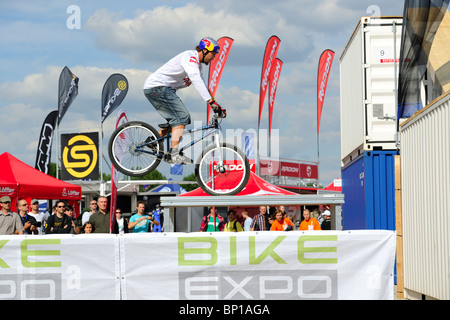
171,203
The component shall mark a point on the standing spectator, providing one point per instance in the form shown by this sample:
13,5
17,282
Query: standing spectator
88,228
247,221
261,220
59,222
212,222
101,219
87,214
233,225
283,211
122,224
9,221
40,217
309,223
326,223
140,222
157,215
281,223
75,229
29,223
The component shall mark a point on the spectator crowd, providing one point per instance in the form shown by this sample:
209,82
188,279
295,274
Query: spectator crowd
97,219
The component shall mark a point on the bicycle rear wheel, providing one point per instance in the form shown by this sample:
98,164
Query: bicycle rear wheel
222,171
130,151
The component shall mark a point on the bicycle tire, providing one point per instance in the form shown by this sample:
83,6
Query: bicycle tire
122,149
229,182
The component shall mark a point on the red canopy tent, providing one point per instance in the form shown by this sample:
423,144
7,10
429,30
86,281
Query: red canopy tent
336,185
20,181
256,186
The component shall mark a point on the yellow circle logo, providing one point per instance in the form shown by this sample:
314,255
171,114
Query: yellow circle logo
122,85
83,149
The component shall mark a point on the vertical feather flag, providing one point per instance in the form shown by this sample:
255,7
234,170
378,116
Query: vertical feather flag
270,55
273,84
325,62
216,69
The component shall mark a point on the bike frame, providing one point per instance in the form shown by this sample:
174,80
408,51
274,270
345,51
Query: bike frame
213,128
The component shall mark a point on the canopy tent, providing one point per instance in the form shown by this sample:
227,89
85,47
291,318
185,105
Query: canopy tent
257,192
20,181
256,186
336,185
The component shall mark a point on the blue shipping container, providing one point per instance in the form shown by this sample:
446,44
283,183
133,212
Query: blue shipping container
368,183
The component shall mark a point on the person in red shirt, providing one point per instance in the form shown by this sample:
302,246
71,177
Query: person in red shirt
281,223
309,223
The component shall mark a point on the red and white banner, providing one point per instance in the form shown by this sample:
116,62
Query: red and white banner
325,62
273,83
309,171
289,169
270,55
121,119
216,68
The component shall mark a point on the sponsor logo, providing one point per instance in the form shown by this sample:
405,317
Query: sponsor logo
276,76
7,190
257,277
259,284
194,59
122,85
73,84
290,169
45,148
84,150
70,193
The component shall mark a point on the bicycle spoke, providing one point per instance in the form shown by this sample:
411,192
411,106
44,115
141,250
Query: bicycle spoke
223,171
125,155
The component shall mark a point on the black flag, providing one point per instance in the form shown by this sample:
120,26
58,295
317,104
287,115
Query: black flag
68,90
114,91
44,149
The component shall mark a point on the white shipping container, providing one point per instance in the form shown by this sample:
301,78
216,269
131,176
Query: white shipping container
368,73
425,200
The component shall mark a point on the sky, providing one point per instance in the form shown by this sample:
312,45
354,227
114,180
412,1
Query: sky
98,38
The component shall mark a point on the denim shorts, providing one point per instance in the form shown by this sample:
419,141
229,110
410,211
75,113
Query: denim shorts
169,105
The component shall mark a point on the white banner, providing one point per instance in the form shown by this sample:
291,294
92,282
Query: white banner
214,266
66,267
260,265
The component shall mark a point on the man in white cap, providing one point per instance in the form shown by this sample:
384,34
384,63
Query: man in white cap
10,222
326,223
40,217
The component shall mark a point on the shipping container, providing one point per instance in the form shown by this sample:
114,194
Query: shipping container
425,201
368,184
368,76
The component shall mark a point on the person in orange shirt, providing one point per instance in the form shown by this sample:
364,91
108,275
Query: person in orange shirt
309,223
281,223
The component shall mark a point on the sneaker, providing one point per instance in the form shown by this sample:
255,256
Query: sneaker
151,146
178,158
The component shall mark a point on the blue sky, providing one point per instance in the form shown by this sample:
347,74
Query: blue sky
135,37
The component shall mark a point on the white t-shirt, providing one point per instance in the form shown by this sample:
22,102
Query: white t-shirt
179,72
40,217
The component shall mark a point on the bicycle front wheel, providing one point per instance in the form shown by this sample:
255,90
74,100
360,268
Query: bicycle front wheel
131,150
222,171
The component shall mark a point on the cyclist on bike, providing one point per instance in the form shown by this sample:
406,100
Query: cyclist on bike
180,72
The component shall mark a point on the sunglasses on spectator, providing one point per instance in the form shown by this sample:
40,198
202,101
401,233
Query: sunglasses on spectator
6,202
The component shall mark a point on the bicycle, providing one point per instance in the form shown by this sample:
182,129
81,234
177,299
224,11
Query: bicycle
136,149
